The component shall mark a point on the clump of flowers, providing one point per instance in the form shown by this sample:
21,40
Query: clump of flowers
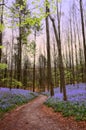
74,106
11,98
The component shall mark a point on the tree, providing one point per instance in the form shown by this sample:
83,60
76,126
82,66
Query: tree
25,72
55,65
72,50
36,28
34,63
42,72
83,33
11,71
80,52
20,7
61,66
49,74
1,26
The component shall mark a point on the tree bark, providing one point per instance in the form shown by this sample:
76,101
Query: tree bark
83,34
19,50
2,8
49,74
34,68
61,67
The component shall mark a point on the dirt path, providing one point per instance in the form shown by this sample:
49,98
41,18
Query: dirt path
36,116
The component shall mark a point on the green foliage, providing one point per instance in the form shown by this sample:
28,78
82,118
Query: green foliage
3,66
59,1
2,111
14,82
29,84
1,47
1,27
69,109
13,101
32,21
31,47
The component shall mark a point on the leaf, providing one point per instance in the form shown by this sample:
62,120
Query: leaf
1,47
1,27
3,66
59,1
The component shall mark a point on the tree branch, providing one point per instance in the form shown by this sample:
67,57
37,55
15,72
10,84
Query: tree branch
2,4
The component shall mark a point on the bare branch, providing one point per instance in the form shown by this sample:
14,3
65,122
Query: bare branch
2,4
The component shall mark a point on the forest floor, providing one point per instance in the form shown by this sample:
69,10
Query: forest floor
36,116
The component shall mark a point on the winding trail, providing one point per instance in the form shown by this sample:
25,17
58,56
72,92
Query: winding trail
36,116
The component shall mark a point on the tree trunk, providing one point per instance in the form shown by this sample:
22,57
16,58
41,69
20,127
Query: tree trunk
72,56
80,51
83,34
61,67
34,68
19,51
2,8
11,71
49,74
55,68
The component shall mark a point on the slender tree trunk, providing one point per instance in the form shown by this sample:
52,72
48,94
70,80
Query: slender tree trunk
5,71
55,68
59,38
75,44
69,55
34,68
72,54
45,80
49,74
34,74
19,51
2,8
67,81
15,69
11,71
25,74
61,67
80,51
83,34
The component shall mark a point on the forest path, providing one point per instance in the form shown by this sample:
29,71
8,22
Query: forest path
36,116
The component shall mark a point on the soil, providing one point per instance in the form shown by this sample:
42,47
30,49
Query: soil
36,116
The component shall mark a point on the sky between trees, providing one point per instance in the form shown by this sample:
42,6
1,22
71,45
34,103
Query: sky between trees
41,37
